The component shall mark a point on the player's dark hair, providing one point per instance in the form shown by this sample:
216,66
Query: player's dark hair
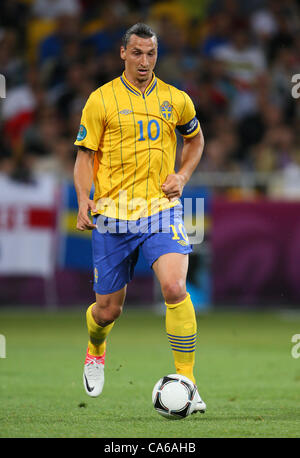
139,29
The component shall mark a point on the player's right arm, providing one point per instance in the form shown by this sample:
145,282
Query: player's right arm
83,180
88,140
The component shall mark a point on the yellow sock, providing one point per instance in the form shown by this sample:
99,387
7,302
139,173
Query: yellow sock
181,327
97,334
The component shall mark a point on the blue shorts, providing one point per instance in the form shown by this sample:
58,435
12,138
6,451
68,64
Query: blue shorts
116,245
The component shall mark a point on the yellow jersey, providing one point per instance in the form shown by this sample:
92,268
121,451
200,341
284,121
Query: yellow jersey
134,139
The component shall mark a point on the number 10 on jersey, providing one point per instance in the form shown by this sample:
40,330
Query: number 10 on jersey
153,130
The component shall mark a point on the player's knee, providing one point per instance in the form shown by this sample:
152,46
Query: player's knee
110,316
106,313
174,291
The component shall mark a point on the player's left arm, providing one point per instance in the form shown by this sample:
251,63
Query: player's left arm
190,156
189,127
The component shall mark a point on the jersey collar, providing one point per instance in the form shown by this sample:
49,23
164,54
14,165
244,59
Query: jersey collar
135,90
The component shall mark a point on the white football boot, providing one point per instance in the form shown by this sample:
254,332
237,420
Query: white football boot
200,405
93,374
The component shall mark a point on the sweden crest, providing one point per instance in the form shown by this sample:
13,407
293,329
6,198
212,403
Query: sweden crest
166,110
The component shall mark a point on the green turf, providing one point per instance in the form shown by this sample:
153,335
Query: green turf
244,369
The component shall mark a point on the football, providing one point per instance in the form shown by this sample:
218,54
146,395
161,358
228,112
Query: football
173,396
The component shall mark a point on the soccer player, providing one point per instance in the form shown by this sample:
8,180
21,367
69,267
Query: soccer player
127,145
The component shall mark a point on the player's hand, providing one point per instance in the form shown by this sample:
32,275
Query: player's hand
83,220
173,186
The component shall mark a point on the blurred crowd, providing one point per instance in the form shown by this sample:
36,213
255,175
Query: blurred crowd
235,59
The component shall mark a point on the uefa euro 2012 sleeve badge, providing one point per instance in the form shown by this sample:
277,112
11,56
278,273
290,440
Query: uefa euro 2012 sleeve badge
81,133
96,275
166,110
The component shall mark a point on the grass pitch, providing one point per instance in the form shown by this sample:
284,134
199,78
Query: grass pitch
245,373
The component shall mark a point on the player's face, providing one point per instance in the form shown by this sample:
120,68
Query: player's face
140,58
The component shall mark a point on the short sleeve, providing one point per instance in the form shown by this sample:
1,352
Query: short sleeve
188,124
92,123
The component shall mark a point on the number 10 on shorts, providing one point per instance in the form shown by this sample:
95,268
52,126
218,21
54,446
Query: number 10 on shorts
181,230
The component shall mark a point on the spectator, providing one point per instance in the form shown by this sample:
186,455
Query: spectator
238,76
218,34
217,158
244,63
53,9
40,137
11,63
14,16
263,21
109,37
252,128
59,162
175,58
19,106
72,87
67,29
283,38
6,158
282,70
